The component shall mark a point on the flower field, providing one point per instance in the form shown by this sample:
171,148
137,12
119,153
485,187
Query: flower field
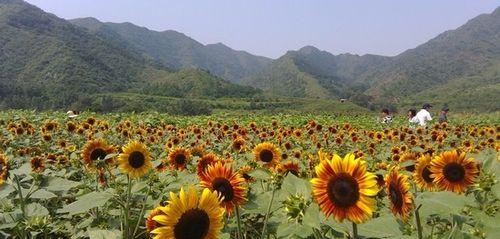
128,175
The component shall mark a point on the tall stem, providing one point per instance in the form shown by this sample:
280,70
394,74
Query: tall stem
141,215
419,225
126,230
354,230
238,219
263,236
21,198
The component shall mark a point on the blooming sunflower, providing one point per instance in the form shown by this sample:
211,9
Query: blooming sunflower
203,163
188,216
135,160
150,223
453,172
95,150
179,158
398,190
4,168
290,166
37,164
229,184
267,153
344,188
422,173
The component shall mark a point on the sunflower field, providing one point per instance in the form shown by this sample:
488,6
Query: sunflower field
246,176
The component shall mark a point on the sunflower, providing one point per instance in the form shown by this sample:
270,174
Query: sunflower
189,217
229,184
203,163
152,224
267,153
95,150
344,188
289,166
37,164
135,159
243,171
453,172
4,168
179,158
422,173
398,190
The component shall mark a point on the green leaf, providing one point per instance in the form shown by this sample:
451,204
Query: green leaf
42,194
383,227
312,217
57,184
294,185
261,174
86,202
444,203
104,234
35,209
5,190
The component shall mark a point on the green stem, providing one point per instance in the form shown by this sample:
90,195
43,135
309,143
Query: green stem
419,225
238,219
21,198
354,230
267,215
143,209
126,229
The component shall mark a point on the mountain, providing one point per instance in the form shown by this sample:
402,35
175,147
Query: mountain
48,62
310,72
177,50
459,67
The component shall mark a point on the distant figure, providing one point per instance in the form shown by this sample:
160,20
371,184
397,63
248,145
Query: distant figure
72,114
386,116
442,115
412,117
423,115
343,100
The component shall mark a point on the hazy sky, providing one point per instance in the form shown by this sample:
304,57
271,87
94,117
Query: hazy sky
271,27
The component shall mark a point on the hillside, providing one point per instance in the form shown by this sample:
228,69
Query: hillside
464,58
47,62
177,50
310,72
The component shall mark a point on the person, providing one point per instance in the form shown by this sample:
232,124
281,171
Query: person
386,117
72,114
443,115
423,115
412,117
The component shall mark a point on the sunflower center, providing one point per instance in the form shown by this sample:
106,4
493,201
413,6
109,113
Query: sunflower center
97,153
266,155
343,190
193,224
136,159
426,174
224,187
180,159
395,196
454,172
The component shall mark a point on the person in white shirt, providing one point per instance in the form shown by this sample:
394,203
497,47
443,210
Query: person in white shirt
423,115
412,117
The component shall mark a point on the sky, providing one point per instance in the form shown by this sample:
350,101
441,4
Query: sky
271,27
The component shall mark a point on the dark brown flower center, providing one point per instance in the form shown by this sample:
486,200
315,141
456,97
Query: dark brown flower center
180,159
454,172
136,159
426,174
193,224
97,153
395,195
224,187
343,190
266,155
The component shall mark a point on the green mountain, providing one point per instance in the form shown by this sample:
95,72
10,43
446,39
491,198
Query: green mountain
47,62
453,68
310,72
177,50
